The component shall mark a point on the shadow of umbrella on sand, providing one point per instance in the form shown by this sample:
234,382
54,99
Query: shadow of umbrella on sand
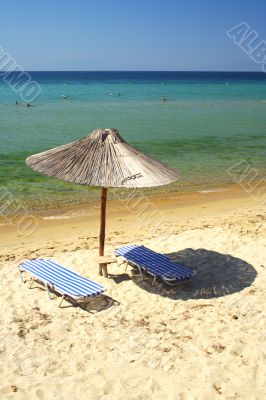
106,160
218,275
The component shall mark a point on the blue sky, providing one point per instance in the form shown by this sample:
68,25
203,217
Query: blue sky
128,35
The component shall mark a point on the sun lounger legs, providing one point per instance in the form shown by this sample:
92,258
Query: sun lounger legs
56,278
155,264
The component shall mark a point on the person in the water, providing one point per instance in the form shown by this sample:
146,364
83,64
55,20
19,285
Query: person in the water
163,99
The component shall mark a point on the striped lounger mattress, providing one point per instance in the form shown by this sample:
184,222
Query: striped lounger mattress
61,279
156,264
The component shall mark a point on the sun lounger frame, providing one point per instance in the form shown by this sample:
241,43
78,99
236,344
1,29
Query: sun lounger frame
50,286
144,269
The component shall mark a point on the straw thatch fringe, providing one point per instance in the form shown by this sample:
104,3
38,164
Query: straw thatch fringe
103,159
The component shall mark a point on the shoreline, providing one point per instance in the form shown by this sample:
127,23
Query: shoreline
115,200
150,212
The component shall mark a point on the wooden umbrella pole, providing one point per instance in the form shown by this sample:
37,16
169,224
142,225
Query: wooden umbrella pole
102,267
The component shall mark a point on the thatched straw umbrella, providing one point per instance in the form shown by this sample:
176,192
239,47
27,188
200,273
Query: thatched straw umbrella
103,159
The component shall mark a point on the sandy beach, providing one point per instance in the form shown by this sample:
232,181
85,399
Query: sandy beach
138,129
202,340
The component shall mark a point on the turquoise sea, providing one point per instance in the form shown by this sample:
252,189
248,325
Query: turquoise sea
209,122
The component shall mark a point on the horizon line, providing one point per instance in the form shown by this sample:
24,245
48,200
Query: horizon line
125,70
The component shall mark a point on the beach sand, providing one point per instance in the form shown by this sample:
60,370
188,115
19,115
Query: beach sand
200,340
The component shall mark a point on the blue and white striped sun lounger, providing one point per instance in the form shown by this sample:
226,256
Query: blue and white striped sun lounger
156,264
60,279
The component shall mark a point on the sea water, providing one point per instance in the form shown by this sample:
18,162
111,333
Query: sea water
210,122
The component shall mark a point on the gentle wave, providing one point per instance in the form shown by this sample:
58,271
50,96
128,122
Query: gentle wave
67,216
213,190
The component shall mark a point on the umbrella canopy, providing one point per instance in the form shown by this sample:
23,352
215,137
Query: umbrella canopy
104,159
